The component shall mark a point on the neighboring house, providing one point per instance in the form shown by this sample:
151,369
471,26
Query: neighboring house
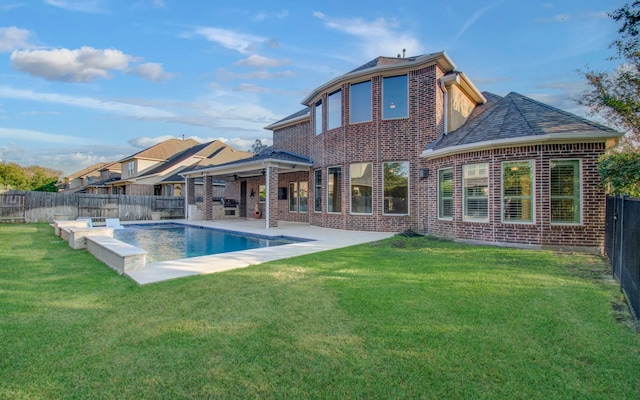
411,143
78,181
154,171
108,173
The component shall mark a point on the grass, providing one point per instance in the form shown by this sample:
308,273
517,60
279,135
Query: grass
400,318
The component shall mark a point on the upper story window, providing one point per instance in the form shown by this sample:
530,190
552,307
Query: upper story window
334,110
318,117
395,97
360,102
131,168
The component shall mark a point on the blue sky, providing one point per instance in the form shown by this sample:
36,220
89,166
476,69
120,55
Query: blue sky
86,81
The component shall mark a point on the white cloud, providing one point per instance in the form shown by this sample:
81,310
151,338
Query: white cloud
262,62
379,37
263,16
12,38
42,137
120,108
243,43
144,142
239,143
225,75
159,3
475,17
151,71
80,65
40,113
253,88
88,6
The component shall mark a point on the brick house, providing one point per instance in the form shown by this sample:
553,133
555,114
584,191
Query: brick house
411,143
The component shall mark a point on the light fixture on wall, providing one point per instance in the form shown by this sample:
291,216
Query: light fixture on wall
235,177
263,172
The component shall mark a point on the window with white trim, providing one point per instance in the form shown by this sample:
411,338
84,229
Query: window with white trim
262,193
131,168
318,117
445,193
396,188
334,189
475,192
566,192
334,110
360,102
395,97
361,188
518,204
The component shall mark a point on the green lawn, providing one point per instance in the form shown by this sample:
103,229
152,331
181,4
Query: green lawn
401,318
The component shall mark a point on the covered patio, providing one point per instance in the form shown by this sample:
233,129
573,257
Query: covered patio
264,169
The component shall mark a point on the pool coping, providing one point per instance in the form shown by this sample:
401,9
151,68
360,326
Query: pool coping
319,239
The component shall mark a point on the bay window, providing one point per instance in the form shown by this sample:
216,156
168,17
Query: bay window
475,192
517,191
566,192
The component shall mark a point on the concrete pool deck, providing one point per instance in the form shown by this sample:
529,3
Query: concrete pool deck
322,239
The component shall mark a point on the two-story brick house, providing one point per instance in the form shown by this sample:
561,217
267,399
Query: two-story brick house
411,143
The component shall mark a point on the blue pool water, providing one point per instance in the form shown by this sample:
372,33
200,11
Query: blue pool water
164,242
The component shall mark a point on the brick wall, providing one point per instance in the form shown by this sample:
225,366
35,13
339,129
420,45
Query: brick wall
541,232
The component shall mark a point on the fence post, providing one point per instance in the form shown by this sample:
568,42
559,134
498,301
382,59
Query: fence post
621,242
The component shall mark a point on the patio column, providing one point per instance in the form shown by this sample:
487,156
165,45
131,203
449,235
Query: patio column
191,191
272,197
208,198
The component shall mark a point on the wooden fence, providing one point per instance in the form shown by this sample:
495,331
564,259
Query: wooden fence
23,206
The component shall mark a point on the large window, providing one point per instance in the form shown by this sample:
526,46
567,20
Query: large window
318,190
334,192
293,196
396,187
334,110
475,193
303,196
361,183
262,193
318,117
395,97
360,102
517,191
566,192
445,193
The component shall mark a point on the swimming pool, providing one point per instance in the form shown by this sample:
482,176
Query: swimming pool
171,241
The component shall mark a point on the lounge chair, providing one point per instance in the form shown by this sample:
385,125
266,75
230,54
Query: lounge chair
89,221
113,223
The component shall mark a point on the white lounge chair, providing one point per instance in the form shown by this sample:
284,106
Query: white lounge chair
113,223
89,221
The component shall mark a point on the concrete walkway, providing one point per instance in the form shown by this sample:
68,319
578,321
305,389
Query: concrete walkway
323,239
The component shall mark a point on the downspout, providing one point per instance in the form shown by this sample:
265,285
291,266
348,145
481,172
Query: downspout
268,202
446,106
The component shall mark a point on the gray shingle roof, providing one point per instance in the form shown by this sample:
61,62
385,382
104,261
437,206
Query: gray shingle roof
515,116
269,154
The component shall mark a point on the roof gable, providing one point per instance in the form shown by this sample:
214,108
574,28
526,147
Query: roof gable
164,150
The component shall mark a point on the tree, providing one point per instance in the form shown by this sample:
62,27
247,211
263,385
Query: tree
257,146
621,170
616,96
16,177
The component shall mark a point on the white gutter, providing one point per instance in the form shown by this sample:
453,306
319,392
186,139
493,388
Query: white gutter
572,137
446,105
288,122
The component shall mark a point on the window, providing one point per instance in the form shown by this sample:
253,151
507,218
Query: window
360,102
566,192
318,117
262,193
334,110
334,193
303,196
475,193
293,196
395,97
517,191
445,193
131,168
318,190
361,183
396,187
